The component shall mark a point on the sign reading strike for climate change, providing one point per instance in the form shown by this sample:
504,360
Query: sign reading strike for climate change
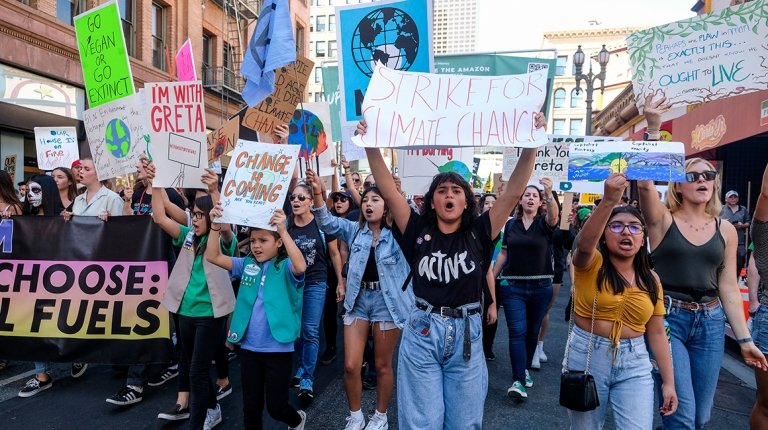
396,34
106,68
417,167
56,147
704,58
418,110
222,140
116,136
278,108
656,161
185,63
84,293
257,182
178,145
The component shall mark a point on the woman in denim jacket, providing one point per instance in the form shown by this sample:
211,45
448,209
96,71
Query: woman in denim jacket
374,298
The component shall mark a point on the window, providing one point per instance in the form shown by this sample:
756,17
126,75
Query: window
332,48
299,39
67,9
559,98
321,2
127,15
331,22
562,60
577,99
576,126
318,97
158,37
558,126
320,48
320,23
207,59
318,75
226,56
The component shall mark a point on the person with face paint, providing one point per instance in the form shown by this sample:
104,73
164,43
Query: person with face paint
43,196
9,201
442,378
97,200
687,233
373,299
66,184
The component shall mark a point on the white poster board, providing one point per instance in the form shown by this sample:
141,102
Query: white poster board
56,147
417,167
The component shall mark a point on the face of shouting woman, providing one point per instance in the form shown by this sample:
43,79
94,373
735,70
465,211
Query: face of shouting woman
301,199
373,207
88,173
449,201
699,185
531,200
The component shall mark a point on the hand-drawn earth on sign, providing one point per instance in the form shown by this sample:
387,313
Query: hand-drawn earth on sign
635,165
454,166
305,122
387,35
118,138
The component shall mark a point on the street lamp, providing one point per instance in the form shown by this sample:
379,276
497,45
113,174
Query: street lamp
578,61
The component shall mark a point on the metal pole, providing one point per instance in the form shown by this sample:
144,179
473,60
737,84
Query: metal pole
589,90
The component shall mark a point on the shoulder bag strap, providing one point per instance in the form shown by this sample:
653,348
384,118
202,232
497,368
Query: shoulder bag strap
570,329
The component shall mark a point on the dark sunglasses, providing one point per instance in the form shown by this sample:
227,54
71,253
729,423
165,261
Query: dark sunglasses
299,197
357,181
369,184
709,175
618,228
340,199
198,215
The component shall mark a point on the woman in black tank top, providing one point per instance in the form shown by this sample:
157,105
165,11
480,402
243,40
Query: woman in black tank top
694,255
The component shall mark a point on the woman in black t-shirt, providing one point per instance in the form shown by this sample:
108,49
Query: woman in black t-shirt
442,378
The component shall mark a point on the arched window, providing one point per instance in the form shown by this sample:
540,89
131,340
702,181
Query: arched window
559,98
577,100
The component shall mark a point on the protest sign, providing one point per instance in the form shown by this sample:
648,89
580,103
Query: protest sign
84,293
396,34
56,147
222,140
308,129
178,143
257,182
116,136
567,209
418,110
106,68
348,147
417,167
656,161
185,63
9,165
278,108
704,58
589,198
332,96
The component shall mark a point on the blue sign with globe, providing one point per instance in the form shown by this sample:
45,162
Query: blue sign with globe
118,138
396,34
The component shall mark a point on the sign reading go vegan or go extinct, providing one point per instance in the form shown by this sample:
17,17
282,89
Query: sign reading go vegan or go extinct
56,147
178,143
704,58
420,110
257,182
116,136
106,68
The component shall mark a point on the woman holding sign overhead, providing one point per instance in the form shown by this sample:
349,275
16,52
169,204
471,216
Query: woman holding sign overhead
442,376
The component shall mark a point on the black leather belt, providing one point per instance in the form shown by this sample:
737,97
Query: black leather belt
445,311
370,285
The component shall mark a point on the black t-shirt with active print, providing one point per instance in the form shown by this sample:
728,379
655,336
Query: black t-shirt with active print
446,271
141,202
308,240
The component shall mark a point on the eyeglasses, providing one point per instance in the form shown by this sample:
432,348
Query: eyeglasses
618,228
35,190
198,215
340,199
709,175
299,197
357,181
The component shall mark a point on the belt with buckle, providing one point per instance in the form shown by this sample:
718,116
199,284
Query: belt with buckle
370,285
689,306
445,311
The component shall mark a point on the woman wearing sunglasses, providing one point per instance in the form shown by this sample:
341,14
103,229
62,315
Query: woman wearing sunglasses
617,298
694,254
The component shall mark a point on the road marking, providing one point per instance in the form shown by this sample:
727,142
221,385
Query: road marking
13,379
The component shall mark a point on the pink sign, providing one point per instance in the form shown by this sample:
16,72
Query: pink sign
185,63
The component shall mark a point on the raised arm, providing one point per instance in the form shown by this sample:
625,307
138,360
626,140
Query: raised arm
761,210
213,252
586,242
298,264
158,204
350,181
553,210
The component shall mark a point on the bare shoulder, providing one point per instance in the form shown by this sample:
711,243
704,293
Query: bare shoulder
728,231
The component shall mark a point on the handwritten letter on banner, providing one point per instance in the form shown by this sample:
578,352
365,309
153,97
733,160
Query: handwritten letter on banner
656,161
56,147
256,182
422,110
704,58
178,143
417,167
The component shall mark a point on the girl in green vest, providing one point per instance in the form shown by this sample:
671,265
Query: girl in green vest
267,318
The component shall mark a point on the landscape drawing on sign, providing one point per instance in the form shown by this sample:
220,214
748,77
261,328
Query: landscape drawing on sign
656,161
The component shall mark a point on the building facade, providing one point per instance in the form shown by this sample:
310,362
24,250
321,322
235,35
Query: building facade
455,26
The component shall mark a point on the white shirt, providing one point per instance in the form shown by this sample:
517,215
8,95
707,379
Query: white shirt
104,200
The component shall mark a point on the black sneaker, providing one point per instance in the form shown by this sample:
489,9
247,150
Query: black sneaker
306,393
35,386
295,381
168,374
78,369
222,392
126,396
328,357
177,413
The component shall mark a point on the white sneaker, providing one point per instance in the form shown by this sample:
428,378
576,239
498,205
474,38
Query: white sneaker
377,422
212,418
536,361
303,422
542,355
355,425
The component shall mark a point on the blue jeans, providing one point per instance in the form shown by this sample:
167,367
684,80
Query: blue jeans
525,304
698,339
436,388
624,382
308,345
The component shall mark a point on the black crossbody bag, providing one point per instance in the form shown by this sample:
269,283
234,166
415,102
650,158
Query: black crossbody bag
578,391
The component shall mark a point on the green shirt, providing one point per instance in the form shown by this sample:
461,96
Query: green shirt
197,299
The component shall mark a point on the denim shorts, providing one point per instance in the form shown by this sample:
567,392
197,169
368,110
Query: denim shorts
760,328
370,306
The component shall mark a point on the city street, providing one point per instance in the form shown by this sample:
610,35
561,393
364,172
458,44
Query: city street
79,403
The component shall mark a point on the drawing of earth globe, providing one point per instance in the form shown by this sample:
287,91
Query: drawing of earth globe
386,35
118,138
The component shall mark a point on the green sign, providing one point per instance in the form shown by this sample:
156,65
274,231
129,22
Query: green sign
106,69
496,65
332,95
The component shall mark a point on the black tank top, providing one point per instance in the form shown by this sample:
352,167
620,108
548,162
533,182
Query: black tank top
689,272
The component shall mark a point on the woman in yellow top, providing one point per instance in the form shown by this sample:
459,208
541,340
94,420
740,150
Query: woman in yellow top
614,282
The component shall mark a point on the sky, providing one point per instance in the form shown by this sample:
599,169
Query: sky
515,25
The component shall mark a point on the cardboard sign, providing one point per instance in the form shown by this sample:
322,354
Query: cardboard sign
566,210
185,63
178,144
588,198
106,68
704,58
116,136
278,108
257,182
9,165
417,167
655,161
420,110
222,140
56,147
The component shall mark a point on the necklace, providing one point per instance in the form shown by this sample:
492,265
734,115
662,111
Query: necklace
699,228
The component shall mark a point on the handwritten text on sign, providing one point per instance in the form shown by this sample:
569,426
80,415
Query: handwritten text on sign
406,109
656,161
56,147
257,182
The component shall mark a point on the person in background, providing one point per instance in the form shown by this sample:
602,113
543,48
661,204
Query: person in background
737,215
66,184
22,194
97,200
490,304
10,204
75,168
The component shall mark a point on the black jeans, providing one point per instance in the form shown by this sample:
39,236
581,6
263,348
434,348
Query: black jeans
200,338
489,330
266,375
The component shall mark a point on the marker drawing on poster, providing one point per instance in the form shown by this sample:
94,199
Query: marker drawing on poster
222,140
417,167
56,147
656,161
257,182
310,128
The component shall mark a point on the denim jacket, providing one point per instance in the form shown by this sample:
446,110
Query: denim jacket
390,263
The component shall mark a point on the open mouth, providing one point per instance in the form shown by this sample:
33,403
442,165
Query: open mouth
701,188
626,244
449,205
295,206
369,211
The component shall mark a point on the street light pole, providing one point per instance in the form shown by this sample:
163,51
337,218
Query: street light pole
578,61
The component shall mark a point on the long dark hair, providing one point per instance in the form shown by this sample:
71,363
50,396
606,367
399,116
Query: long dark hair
386,220
7,192
644,278
72,188
519,208
467,217
481,203
205,204
51,203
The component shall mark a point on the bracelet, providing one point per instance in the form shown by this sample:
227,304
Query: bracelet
215,229
744,340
